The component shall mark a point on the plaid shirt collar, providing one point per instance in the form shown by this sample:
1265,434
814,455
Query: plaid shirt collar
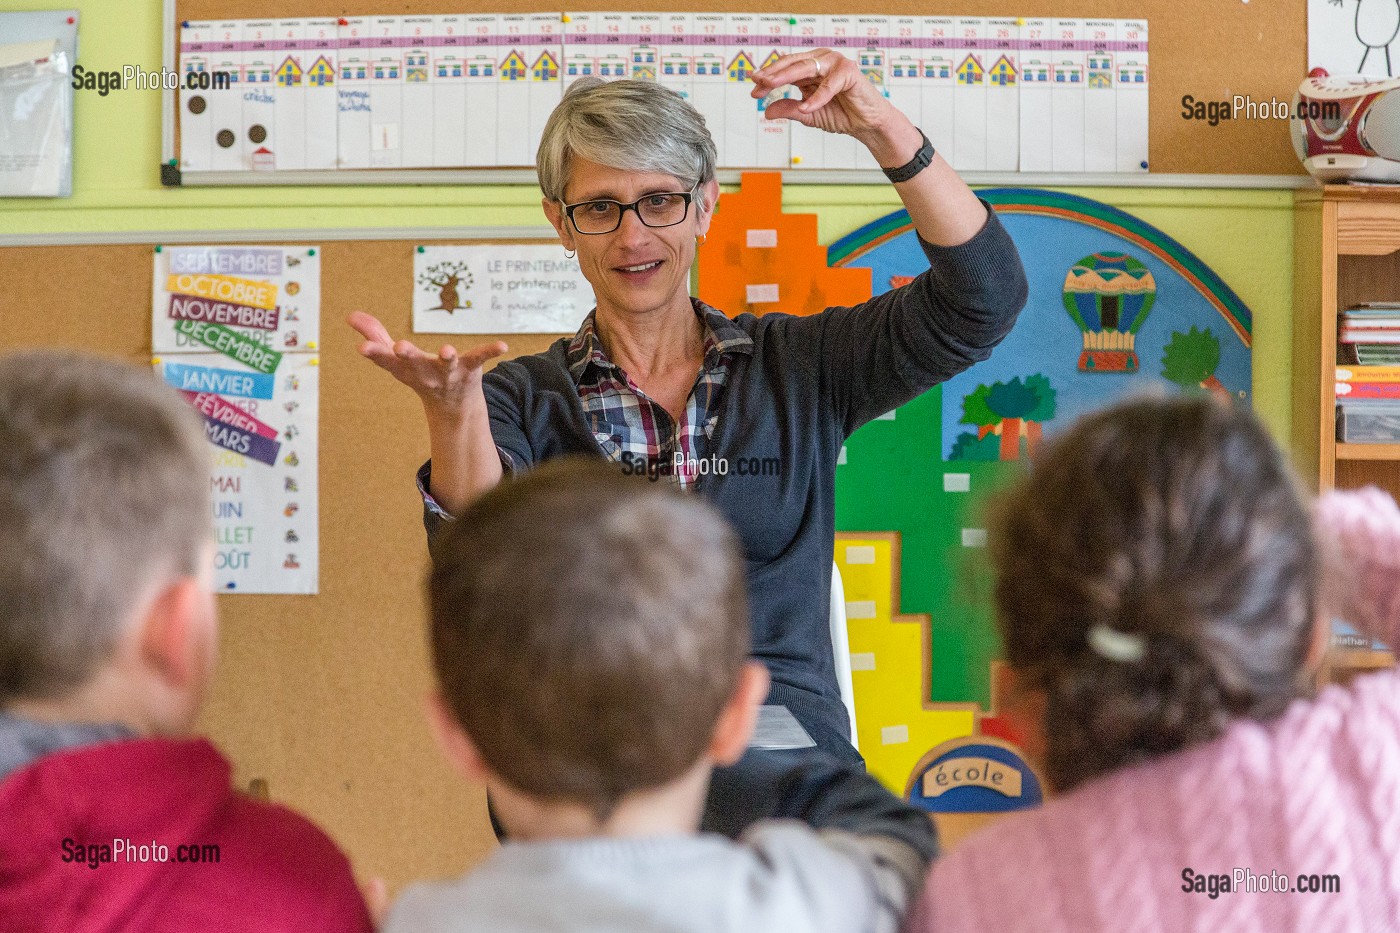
722,336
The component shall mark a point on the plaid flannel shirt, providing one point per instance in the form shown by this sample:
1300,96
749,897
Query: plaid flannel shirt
632,429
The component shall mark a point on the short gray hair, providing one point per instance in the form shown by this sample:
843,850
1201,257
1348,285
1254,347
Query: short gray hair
104,492
634,125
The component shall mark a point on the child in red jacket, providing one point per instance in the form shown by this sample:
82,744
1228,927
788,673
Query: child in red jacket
113,817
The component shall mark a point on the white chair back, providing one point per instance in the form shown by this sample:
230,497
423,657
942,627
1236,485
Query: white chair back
841,648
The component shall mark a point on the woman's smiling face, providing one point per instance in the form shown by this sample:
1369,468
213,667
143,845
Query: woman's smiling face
635,269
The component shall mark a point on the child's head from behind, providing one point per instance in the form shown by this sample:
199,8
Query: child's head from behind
1157,577
105,538
588,632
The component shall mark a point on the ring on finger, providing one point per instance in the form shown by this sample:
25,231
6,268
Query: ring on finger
818,63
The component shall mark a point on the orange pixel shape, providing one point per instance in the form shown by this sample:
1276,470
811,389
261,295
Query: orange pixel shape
757,259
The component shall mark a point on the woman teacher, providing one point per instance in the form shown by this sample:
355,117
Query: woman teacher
655,377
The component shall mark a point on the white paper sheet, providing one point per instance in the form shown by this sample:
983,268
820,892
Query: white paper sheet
386,86
940,83
262,430
498,290
259,128
483,103
37,51
777,728
449,92
1001,43
242,323
1100,95
1354,37
1131,81
1036,117
1067,97
36,127
353,94
290,62
419,123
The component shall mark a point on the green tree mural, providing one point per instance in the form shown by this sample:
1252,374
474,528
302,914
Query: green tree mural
1190,360
1004,414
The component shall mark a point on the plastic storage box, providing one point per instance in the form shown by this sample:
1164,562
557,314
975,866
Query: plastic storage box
1376,423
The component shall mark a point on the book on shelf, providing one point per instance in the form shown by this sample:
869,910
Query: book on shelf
1368,354
1368,374
1372,312
1349,391
1371,335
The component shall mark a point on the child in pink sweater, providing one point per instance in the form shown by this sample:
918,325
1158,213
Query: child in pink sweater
1160,595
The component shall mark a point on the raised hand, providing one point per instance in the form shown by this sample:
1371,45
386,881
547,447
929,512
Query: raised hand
1360,531
443,382
465,459
836,97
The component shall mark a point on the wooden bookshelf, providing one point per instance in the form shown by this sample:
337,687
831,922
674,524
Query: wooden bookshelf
1367,451
1346,250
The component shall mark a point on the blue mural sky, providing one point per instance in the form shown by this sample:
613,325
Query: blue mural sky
1046,340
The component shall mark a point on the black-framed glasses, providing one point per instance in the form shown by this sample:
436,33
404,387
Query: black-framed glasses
604,215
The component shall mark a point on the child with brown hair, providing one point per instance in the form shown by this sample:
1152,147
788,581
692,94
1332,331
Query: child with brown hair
591,641
1159,593
112,816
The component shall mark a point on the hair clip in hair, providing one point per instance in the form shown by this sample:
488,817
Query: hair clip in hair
1115,645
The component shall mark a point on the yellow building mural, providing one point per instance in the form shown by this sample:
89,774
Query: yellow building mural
895,725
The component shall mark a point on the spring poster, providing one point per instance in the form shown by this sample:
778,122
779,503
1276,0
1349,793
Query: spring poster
521,289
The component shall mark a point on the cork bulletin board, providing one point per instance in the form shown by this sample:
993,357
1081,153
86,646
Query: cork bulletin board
319,696
1208,50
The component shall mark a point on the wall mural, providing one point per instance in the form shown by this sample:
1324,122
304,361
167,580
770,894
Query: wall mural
1116,307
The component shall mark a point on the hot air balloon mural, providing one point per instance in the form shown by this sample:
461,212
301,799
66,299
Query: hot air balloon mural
1109,296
